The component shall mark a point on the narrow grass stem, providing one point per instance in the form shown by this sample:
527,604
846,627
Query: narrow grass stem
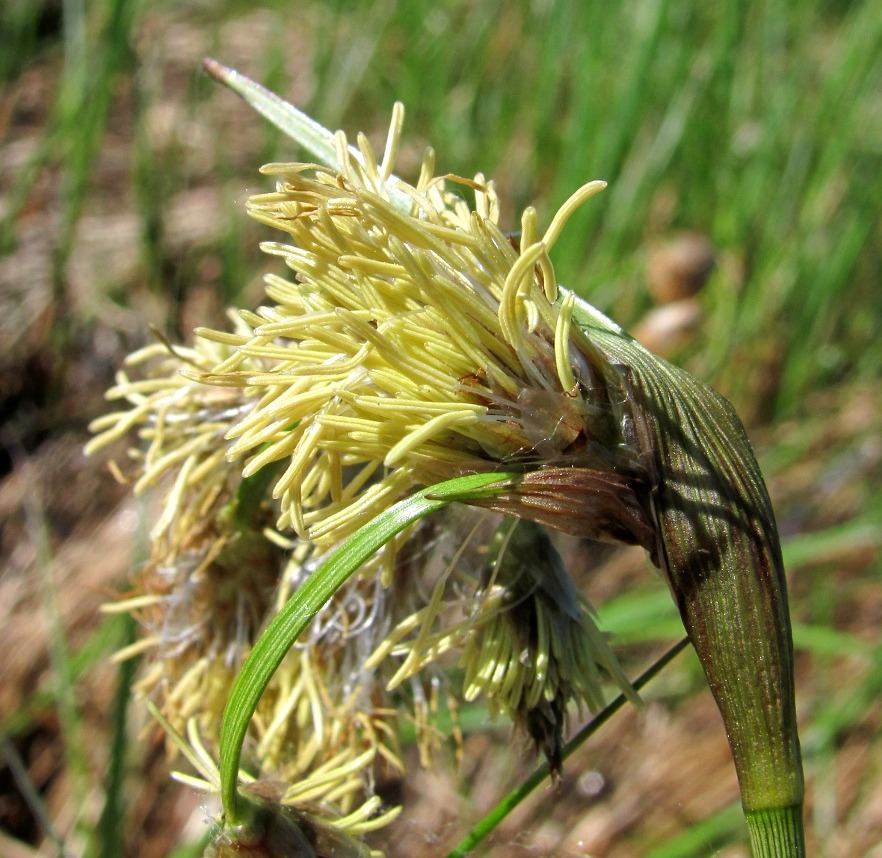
110,831
31,795
517,795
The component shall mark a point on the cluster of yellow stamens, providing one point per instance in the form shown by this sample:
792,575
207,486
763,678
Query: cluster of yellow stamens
415,342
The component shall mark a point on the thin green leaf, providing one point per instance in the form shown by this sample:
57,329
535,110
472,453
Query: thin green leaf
110,833
302,129
280,635
823,640
644,615
702,837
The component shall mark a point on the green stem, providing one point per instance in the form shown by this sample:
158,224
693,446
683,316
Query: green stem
519,793
777,833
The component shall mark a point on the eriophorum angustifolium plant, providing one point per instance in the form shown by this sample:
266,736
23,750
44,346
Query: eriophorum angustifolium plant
416,356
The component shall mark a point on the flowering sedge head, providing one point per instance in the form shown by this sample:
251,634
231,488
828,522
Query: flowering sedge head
410,346
527,640
416,343
217,573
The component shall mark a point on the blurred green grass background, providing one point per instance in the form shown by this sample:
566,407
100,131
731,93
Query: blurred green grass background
123,170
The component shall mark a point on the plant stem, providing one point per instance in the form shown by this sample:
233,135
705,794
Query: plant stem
517,795
776,833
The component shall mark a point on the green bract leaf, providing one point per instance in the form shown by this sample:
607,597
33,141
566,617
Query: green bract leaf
717,543
302,129
280,635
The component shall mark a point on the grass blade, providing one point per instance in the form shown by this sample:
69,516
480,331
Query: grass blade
278,638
